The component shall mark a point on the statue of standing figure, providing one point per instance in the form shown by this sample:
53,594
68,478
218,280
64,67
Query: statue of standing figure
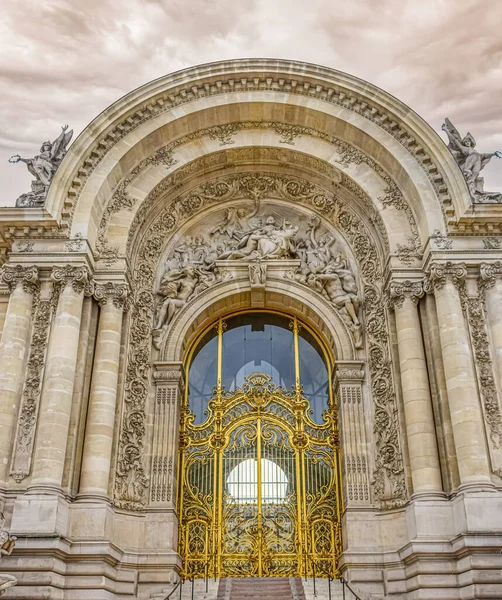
43,167
471,163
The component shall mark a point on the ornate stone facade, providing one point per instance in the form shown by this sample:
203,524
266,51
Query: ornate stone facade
277,187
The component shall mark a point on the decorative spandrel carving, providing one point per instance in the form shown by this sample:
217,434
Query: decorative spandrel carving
253,236
43,167
471,163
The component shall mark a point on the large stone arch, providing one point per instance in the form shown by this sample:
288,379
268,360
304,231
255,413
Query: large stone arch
288,103
172,154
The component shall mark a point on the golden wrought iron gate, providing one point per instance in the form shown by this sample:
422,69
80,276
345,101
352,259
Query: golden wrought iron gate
259,493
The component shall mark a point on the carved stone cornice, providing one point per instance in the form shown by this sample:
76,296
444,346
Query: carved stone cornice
398,291
19,275
116,292
77,277
440,273
488,272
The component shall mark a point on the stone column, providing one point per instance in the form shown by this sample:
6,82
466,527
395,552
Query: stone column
55,407
97,455
448,280
13,353
349,392
418,414
169,390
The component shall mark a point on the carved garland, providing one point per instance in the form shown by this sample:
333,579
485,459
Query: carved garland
344,98
348,154
131,482
25,435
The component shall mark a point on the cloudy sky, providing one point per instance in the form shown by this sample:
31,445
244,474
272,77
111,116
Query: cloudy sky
64,61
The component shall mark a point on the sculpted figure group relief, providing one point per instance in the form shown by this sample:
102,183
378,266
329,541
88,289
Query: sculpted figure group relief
244,235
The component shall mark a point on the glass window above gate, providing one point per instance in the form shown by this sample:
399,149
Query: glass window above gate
260,342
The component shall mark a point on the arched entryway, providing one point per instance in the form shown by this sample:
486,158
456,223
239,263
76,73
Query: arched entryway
259,464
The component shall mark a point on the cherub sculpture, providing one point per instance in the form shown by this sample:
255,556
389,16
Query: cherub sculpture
471,163
43,167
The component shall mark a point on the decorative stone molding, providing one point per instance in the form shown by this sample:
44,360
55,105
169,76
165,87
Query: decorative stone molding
398,291
116,292
292,85
26,276
77,277
7,543
441,241
28,412
474,309
131,482
254,154
492,243
74,245
121,199
348,154
440,273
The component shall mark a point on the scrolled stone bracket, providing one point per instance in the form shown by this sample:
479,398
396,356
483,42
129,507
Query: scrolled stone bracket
114,292
13,276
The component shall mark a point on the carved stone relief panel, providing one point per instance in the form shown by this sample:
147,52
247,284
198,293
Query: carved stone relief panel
254,234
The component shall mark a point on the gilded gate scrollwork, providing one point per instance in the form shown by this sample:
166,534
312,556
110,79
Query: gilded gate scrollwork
260,488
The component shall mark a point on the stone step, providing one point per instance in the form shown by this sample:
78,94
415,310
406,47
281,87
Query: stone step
256,588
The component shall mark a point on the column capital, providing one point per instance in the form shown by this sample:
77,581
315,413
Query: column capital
19,275
117,293
441,272
488,272
397,291
77,276
168,372
351,371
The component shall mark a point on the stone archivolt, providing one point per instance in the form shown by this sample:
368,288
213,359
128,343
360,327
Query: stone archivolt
348,154
346,99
